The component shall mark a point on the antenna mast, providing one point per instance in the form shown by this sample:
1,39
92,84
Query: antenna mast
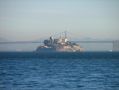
65,34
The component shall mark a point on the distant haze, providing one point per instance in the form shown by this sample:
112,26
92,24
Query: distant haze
35,19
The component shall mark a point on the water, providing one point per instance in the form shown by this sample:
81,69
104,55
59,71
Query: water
67,71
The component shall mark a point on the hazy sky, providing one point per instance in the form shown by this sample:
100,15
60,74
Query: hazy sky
34,19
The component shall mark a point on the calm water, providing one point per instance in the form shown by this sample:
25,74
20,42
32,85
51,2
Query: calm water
67,71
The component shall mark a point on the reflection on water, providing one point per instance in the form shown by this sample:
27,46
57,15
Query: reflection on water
59,74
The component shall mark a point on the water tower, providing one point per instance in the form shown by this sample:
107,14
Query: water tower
116,45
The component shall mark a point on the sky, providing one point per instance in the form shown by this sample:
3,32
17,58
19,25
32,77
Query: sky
24,20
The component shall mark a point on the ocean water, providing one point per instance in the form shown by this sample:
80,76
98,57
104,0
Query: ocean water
59,71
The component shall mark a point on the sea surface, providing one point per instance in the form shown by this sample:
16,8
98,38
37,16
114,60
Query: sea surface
59,71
